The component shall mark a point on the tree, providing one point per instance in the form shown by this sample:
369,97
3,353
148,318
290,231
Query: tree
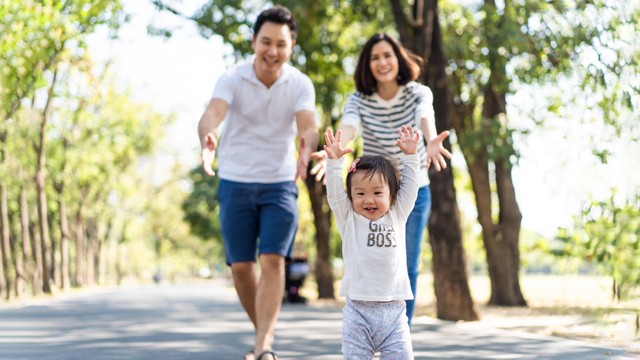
608,234
53,27
420,32
494,47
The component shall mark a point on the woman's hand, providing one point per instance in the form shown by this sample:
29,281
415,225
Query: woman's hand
320,168
436,152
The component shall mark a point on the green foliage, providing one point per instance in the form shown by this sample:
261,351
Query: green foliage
201,206
519,43
608,234
330,35
33,34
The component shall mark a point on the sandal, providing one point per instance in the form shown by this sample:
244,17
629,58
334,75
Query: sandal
268,352
251,354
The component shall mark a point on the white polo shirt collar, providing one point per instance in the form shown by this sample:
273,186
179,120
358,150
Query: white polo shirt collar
249,73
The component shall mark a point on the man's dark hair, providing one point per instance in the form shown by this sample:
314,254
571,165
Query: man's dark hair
377,165
409,64
279,15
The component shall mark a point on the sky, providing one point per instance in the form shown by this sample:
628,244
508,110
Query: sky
554,177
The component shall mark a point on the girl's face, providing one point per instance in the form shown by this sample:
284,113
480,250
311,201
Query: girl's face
370,195
384,63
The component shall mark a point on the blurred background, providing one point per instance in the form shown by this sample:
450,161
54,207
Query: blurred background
100,181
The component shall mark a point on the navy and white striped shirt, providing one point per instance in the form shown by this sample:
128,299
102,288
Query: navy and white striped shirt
378,121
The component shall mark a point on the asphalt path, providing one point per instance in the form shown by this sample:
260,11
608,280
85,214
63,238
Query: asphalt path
205,321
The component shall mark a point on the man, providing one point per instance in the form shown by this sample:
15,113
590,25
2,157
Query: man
265,101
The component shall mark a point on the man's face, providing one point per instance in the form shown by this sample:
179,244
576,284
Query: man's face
272,45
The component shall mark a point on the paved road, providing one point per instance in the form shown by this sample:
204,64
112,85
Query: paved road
205,321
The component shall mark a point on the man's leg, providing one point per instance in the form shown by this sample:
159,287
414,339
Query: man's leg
268,299
278,225
246,284
239,226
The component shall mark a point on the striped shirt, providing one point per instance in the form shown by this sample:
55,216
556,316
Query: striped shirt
378,121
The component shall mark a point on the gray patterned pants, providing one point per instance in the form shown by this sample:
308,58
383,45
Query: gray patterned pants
370,327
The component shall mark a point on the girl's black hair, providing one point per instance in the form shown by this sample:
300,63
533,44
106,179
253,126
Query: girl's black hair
377,164
408,64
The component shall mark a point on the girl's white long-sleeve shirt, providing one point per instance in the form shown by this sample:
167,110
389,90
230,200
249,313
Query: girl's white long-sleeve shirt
374,252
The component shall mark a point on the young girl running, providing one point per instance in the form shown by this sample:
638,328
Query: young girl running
371,216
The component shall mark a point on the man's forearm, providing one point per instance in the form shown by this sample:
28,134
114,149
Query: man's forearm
206,127
211,120
310,139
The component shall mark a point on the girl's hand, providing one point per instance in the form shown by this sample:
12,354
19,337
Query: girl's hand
332,145
409,140
436,152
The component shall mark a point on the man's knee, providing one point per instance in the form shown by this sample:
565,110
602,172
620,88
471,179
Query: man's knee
242,269
272,263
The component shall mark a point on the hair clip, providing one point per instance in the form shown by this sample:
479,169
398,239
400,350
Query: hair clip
352,168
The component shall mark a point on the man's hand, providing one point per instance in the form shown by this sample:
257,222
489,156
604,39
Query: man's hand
209,153
303,159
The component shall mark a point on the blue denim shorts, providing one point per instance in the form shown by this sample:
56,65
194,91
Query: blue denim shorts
257,219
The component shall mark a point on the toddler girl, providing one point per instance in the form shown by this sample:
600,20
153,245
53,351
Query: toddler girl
371,216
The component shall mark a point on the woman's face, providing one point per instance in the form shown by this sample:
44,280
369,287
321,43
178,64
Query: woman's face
384,63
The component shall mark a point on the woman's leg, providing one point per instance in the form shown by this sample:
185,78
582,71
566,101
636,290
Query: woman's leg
416,224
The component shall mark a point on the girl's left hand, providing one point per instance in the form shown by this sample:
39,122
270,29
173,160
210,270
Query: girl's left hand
409,140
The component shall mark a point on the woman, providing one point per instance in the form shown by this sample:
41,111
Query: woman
388,98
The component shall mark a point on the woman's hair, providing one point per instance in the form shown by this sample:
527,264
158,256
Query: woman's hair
376,165
279,15
408,64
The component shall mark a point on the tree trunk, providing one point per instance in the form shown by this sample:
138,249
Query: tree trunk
501,240
91,251
31,270
80,248
43,221
323,269
3,287
37,252
508,231
42,193
6,242
64,238
5,279
18,259
454,301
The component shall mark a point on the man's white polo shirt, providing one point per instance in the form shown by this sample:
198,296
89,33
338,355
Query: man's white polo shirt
257,143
